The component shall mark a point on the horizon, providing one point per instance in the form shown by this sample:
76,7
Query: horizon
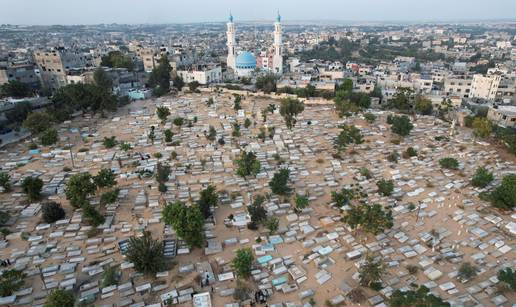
132,12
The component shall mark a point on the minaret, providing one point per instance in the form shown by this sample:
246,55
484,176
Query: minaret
277,59
231,42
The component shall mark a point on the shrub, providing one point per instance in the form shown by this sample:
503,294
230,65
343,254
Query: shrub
393,157
92,216
32,187
482,178
467,271
242,262
364,171
109,197
410,152
385,187
110,142
52,212
60,298
449,163
49,137
370,117
504,196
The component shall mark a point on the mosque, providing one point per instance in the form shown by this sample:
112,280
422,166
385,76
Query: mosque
244,63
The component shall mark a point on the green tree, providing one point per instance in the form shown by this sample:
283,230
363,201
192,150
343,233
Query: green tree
504,196
402,99
5,181
482,178
347,85
370,117
146,254
92,215
256,210
371,271
193,86
236,130
152,135
212,134
109,142
247,123
159,78
162,174
421,297
162,112
168,135
243,262
302,202
19,112
289,109
365,172
279,182
449,163
508,277
116,59
344,197
423,105
32,187
11,281
369,218
60,298
266,83
78,188
187,222
209,198
102,79
482,127
105,178
272,224
49,137
37,122
110,276
236,105
178,83
52,212
109,197
348,135
178,121
4,217
15,89
125,146
385,187
409,152
247,164
467,271
400,125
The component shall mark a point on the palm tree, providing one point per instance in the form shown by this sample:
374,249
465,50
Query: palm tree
146,254
11,281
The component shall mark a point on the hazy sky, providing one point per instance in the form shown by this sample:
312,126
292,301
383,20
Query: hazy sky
179,11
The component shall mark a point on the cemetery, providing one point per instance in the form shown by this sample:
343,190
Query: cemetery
289,214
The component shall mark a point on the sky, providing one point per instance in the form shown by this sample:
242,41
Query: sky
45,12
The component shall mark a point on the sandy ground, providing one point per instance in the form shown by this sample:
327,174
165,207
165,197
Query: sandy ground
315,138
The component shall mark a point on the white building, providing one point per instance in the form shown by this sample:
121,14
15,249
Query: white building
204,74
459,85
485,87
504,116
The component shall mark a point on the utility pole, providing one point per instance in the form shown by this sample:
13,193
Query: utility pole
70,147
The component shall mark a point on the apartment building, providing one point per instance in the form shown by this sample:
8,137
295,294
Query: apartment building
54,65
485,87
459,85
504,116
